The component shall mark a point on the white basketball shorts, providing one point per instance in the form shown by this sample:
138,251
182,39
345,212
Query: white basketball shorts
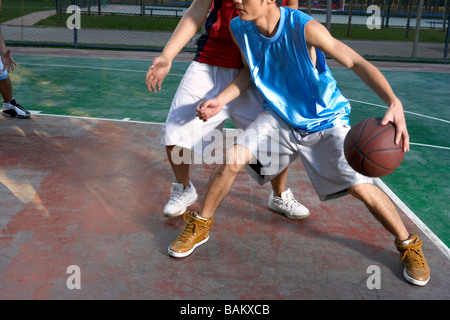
3,73
201,82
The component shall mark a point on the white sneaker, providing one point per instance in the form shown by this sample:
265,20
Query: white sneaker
13,109
287,205
180,199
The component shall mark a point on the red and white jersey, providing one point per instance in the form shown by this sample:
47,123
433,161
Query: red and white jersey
215,46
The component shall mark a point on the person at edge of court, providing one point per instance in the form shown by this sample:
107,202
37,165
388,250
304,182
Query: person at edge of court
10,106
215,65
304,105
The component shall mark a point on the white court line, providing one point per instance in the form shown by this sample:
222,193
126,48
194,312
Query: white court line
86,67
429,146
93,118
422,226
394,198
438,242
410,112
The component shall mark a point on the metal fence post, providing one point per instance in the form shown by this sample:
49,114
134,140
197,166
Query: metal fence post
416,36
447,39
75,30
328,15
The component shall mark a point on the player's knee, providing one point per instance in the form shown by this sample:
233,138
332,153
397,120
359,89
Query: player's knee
238,156
358,191
230,168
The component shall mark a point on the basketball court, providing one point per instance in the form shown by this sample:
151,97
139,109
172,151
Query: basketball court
83,183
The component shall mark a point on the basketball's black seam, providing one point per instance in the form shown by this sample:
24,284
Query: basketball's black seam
361,131
373,137
359,150
355,143
365,157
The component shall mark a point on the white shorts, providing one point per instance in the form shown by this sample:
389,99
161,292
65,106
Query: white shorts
201,82
3,73
275,144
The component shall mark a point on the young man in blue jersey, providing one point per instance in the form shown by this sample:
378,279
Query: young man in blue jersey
309,116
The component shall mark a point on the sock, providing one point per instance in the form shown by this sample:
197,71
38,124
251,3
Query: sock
200,217
407,241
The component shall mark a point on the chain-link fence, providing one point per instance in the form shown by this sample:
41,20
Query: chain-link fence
382,29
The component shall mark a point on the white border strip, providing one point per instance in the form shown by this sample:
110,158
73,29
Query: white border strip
438,242
94,118
88,67
429,146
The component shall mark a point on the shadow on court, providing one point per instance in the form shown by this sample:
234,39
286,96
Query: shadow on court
90,193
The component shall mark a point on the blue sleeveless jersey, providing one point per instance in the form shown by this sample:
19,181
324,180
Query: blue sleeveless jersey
304,95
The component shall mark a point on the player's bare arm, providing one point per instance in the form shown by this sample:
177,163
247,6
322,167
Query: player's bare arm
209,108
318,36
189,24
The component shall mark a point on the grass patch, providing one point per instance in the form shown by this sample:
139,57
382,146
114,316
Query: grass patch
396,34
12,9
147,23
119,22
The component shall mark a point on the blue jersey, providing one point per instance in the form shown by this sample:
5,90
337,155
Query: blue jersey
304,95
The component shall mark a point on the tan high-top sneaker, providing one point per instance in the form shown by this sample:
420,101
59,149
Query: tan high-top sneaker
416,269
194,234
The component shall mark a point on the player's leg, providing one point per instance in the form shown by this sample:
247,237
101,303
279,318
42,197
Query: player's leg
333,177
198,225
10,106
381,208
223,178
416,269
183,133
237,157
244,110
180,170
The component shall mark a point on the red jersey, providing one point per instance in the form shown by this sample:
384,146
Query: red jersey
216,47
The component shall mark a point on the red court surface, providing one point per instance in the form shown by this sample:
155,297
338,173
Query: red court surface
90,193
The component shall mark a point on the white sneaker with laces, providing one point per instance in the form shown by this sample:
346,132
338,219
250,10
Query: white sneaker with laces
180,199
287,205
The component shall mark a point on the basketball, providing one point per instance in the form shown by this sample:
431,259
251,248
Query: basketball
370,149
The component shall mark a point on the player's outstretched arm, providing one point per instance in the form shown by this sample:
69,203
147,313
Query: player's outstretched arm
318,36
189,24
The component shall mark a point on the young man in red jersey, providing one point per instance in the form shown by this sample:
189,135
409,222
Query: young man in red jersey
217,62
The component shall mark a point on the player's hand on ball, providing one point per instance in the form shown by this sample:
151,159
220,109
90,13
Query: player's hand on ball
395,115
208,109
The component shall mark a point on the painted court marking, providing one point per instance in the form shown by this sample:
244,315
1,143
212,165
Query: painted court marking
89,67
382,186
410,112
423,227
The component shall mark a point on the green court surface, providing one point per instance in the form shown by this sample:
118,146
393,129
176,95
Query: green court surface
115,89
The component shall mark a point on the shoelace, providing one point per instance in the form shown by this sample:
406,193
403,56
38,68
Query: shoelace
414,252
290,202
191,227
175,196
